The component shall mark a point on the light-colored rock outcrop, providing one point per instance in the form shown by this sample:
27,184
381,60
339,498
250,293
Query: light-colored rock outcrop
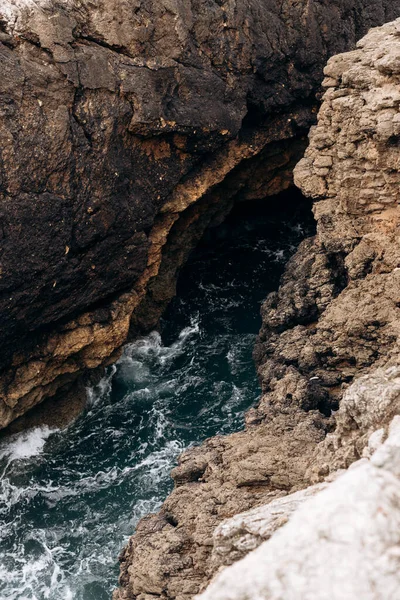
367,409
341,544
241,534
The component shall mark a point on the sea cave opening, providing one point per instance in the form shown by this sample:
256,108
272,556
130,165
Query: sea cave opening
72,497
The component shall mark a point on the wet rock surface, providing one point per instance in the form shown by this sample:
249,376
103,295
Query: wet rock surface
329,343
114,119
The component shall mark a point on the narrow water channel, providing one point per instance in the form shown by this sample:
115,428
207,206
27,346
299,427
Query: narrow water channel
69,499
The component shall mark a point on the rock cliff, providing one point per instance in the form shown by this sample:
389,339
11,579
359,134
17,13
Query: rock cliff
123,125
327,357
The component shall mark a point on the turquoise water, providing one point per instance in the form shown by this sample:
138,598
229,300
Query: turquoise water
69,499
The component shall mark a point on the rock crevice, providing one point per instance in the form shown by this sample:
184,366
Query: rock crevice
114,118
327,358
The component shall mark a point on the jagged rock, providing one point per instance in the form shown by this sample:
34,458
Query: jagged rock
170,553
366,409
336,312
334,318
343,543
115,118
241,534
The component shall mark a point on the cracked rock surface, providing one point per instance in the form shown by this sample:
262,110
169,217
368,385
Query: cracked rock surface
327,358
115,117
341,543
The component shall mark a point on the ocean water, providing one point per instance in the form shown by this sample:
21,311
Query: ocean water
69,499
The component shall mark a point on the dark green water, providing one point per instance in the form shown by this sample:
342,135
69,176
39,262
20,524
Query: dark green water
69,499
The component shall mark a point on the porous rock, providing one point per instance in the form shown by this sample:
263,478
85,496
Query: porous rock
327,358
115,118
342,543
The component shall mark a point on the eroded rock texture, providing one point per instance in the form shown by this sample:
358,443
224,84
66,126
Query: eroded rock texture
342,542
115,118
335,318
349,523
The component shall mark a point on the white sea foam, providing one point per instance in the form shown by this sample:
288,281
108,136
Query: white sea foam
279,256
136,363
26,444
234,401
44,572
34,575
236,354
102,389
142,508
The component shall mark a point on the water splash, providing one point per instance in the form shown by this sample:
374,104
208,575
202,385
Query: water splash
70,499
26,444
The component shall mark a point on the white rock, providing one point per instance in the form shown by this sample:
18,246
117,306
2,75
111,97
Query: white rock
342,544
244,532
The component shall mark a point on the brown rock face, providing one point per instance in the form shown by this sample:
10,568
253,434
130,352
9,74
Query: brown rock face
114,119
335,316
